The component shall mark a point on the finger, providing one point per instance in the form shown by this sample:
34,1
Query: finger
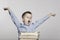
53,14
5,8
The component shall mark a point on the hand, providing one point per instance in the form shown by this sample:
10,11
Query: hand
51,14
6,9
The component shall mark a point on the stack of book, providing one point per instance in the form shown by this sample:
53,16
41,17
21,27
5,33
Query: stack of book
29,36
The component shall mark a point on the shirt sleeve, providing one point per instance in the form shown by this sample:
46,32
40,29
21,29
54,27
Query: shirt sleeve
40,21
14,18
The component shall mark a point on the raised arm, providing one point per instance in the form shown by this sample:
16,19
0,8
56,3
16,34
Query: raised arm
13,17
40,21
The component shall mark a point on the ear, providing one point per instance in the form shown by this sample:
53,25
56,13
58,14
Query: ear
23,19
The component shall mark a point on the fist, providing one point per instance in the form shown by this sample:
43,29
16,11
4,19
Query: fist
51,14
5,8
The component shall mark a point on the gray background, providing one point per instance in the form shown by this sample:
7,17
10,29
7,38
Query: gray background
49,30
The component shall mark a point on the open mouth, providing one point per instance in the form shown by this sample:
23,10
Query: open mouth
28,21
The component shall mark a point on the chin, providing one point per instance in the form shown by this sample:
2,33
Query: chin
28,24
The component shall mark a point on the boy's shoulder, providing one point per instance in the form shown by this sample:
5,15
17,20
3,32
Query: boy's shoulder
20,23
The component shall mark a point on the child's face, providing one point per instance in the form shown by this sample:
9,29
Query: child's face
27,19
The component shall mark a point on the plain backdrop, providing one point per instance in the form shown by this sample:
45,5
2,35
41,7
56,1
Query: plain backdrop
49,30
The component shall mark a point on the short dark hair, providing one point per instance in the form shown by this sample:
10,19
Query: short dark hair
26,13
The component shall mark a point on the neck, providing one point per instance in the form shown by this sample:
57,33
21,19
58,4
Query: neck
26,24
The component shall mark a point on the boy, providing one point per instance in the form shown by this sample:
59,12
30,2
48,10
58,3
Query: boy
27,26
